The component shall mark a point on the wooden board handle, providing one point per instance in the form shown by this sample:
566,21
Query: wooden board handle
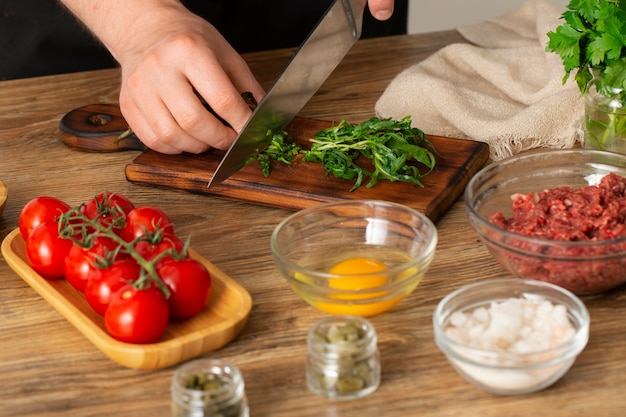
96,128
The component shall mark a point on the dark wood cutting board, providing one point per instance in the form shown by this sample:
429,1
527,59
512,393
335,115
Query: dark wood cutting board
304,184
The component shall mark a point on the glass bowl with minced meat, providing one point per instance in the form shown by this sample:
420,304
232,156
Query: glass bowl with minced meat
557,216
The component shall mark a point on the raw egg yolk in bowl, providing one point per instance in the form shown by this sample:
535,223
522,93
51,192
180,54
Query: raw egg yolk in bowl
350,290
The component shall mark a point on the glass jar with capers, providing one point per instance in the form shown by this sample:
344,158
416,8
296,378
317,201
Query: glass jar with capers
343,360
208,388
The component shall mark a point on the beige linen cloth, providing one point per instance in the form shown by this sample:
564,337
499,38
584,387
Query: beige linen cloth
503,89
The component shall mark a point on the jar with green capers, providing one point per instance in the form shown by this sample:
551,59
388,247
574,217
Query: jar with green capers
208,388
343,360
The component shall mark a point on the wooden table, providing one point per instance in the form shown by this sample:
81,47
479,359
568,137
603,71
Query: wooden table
47,368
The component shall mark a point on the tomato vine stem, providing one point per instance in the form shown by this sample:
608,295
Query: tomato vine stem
81,230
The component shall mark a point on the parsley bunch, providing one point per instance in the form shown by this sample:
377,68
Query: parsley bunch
592,41
391,145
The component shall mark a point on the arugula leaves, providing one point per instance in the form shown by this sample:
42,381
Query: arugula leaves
282,148
592,41
389,144
393,149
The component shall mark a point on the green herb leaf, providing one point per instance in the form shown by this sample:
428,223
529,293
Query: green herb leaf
389,144
281,148
592,42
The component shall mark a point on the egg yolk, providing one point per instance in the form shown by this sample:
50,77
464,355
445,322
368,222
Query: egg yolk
359,274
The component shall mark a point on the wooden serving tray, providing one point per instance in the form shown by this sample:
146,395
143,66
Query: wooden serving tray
222,320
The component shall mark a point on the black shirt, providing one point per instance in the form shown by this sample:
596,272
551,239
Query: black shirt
40,37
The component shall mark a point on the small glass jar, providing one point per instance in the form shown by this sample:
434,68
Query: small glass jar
208,388
343,360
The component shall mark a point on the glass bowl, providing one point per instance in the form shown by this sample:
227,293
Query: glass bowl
357,257
583,267
511,336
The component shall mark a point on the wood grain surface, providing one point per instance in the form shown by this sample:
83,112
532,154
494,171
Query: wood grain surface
48,368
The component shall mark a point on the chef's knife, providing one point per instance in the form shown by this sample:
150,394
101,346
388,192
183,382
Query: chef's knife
308,68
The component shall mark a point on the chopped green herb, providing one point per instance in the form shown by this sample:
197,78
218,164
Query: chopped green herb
391,145
393,148
281,148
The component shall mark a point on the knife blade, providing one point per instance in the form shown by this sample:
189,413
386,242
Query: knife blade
304,74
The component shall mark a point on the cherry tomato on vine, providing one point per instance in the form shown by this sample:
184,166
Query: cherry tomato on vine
107,207
137,315
40,210
189,283
150,249
145,219
81,264
46,250
100,289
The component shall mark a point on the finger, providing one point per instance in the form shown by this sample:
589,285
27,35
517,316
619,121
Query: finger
243,79
381,9
198,125
141,129
223,97
153,123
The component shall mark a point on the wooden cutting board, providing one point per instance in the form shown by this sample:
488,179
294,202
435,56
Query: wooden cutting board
304,184
295,186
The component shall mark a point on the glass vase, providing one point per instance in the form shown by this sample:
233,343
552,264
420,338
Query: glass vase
605,120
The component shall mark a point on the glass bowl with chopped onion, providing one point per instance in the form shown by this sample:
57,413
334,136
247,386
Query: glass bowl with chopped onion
557,216
511,336
354,257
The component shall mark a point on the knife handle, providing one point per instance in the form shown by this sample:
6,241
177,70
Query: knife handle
97,128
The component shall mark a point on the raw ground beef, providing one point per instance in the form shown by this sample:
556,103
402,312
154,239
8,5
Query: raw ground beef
588,214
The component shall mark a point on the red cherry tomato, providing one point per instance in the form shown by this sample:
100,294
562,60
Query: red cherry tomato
137,315
107,208
165,242
143,220
189,283
46,250
81,264
40,210
100,289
